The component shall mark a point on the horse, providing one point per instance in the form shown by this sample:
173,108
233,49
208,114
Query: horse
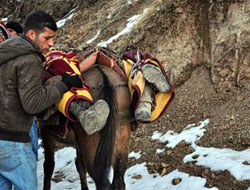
97,153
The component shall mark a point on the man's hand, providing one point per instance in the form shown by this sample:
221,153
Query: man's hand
72,81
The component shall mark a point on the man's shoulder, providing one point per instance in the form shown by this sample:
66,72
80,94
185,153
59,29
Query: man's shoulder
18,46
17,42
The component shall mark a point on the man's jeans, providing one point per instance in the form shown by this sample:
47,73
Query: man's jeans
34,139
17,166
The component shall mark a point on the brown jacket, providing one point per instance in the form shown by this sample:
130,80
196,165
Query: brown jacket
22,94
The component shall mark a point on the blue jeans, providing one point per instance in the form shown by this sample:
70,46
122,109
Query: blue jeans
17,166
34,138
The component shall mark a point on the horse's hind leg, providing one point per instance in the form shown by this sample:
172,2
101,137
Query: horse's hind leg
87,149
119,171
105,185
81,170
101,184
49,163
120,157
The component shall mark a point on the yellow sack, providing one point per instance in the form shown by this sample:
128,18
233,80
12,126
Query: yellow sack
68,97
136,83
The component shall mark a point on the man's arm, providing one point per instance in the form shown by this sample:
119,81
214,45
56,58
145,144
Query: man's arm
33,95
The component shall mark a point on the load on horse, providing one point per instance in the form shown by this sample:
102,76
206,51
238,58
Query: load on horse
133,95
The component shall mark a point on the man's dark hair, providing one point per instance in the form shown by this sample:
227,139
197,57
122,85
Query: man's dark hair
37,21
14,26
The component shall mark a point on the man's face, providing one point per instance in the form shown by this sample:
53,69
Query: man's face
11,32
45,40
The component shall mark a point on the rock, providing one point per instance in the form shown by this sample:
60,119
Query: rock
176,181
137,177
164,165
164,172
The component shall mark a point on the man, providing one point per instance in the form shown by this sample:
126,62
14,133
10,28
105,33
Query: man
14,28
4,35
22,95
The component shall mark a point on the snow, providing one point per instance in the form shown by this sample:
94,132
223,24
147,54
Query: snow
155,181
93,39
158,151
190,134
137,176
135,155
131,22
61,22
130,1
222,159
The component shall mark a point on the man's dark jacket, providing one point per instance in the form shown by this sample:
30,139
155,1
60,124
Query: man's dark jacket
22,94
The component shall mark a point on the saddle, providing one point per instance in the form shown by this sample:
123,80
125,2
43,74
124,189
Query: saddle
102,56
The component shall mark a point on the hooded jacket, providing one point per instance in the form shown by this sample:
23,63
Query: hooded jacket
22,94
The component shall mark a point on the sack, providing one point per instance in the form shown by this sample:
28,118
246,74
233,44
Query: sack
133,61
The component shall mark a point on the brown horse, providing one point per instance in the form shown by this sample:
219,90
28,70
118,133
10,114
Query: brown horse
109,147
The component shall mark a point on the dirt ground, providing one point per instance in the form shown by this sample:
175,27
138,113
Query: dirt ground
195,101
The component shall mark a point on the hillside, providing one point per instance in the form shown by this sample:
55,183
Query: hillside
204,46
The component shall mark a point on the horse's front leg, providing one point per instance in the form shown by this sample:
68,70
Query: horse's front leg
81,170
49,163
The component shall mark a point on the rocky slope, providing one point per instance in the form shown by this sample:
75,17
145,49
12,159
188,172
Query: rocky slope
203,46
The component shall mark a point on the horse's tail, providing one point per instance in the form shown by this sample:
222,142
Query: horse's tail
105,147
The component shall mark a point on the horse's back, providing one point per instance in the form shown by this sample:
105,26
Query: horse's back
94,79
